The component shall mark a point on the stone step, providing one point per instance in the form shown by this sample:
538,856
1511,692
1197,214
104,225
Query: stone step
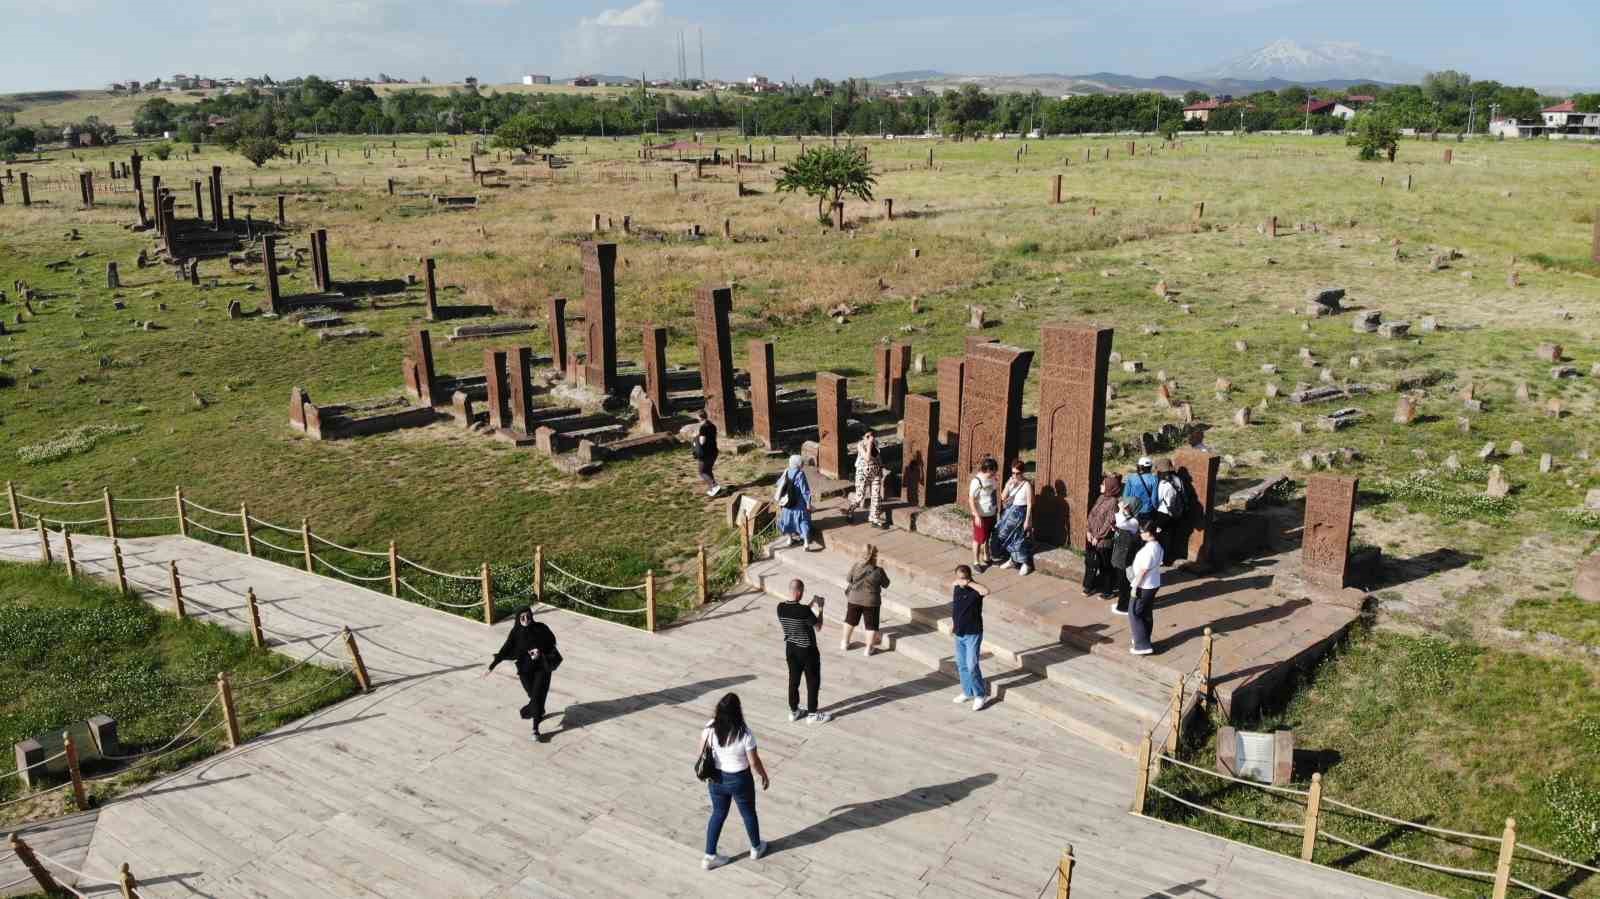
1107,704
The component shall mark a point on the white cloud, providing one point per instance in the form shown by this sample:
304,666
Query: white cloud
644,14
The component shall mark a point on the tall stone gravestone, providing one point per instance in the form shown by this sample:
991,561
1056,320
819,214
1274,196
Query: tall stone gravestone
991,406
899,371
1072,420
1200,468
556,310
494,374
520,371
600,314
422,362
833,407
1325,540
951,372
921,426
763,393
715,344
655,366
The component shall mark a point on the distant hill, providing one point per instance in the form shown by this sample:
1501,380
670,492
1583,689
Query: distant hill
1056,84
1324,61
914,75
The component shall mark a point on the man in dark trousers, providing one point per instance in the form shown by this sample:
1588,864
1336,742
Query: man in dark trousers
532,646
801,623
705,452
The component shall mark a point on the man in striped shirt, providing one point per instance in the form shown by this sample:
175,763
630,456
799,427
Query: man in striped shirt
801,624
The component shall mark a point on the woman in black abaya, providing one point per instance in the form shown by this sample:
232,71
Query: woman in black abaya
532,646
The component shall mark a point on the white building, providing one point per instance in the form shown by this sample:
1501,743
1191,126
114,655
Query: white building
535,79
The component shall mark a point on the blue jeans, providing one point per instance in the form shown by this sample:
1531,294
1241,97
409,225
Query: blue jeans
740,787
968,648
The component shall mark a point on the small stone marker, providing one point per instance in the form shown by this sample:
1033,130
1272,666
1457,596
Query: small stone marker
1394,330
1367,321
1405,410
1241,417
1550,352
1546,463
1499,486
975,318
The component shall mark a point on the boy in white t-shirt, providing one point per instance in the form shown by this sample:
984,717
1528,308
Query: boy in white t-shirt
983,501
1144,575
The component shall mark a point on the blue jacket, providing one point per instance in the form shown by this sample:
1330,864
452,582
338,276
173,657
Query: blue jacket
1144,488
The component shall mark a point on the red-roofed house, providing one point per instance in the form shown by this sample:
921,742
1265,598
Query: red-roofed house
1201,111
1346,108
1320,107
1565,118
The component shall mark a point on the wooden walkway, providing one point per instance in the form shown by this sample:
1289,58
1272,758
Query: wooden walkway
429,787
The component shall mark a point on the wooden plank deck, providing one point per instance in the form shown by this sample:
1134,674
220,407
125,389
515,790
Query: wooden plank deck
428,786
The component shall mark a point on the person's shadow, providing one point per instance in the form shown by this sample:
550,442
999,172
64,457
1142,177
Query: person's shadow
583,714
878,812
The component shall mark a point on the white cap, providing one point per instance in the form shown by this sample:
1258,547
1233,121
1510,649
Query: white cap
1144,462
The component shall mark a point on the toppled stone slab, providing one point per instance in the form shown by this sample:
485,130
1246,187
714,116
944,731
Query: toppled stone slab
1394,330
1328,392
1252,497
1366,321
498,329
357,332
321,321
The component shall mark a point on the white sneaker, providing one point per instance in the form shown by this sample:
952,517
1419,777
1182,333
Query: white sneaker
1024,570
844,647
712,861
818,718
1142,652
796,715
979,703
1006,564
758,851
1117,611
866,652
960,697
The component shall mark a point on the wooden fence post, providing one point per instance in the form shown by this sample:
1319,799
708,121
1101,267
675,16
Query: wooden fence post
122,571
305,544
72,562
394,570
125,880
41,874
744,542
111,513
177,588
11,503
44,544
256,636
1205,668
488,594
229,716
650,600
1064,874
80,797
1175,735
702,577
244,520
358,666
1502,870
538,572
1308,839
183,520
1142,776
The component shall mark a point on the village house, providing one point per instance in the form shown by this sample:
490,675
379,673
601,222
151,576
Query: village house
1348,107
535,79
1561,121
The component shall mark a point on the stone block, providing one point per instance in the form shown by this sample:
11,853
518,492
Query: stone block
714,342
103,734
1366,321
1550,352
991,405
833,406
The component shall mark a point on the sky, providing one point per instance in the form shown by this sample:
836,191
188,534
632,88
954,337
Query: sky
63,44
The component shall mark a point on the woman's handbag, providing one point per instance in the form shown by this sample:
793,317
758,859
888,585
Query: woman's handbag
705,767
1122,549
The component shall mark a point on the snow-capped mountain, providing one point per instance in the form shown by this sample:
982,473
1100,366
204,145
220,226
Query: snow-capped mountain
1322,61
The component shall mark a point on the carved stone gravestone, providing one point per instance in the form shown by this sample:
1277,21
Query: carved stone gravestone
1200,468
1072,416
921,427
494,373
600,314
763,393
556,309
714,342
833,406
1330,514
991,405
950,378
655,366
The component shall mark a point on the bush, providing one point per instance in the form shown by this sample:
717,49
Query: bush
1374,133
162,150
258,149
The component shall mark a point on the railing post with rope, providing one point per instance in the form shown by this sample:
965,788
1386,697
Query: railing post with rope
650,600
244,519
44,544
41,874
11,503
1142,780
125,880
1064,874
1502,869
488,594
183,518
538,572
256,636
1175,735
744,542
1205,668
230,718
111,513
305,544
357,666
702,578
394,570
79,796
72,562
122,571
1308,836
177,589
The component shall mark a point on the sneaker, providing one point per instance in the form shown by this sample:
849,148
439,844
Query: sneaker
796,715
960,697
1117,611
818,718
844,647
534,737
1148,650
866,651
813,547
712,491
758,851
981,567
1006,564
712,861
979,703
1025,569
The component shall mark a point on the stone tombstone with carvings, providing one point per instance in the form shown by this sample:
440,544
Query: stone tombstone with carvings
1200,469
1325,542
763,393
715,344
991,406
600,314
556,309
833,408
498,392
655,366
921,427
1072,417
951,371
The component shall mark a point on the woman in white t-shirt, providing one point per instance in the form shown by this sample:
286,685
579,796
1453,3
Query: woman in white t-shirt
1013,534
733,746
1145,577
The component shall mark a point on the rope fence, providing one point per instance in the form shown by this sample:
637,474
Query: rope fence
491,589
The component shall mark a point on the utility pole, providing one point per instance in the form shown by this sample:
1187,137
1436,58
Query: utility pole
1472,113
702,53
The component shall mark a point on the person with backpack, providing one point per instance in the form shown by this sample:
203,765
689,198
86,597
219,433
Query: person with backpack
983,501
704,449
863,598
1124,544
1171,508
728,757
792,496
531,646
1143,486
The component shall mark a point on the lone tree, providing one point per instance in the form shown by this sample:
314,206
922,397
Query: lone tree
526,132
258,149
828,173
1375,133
